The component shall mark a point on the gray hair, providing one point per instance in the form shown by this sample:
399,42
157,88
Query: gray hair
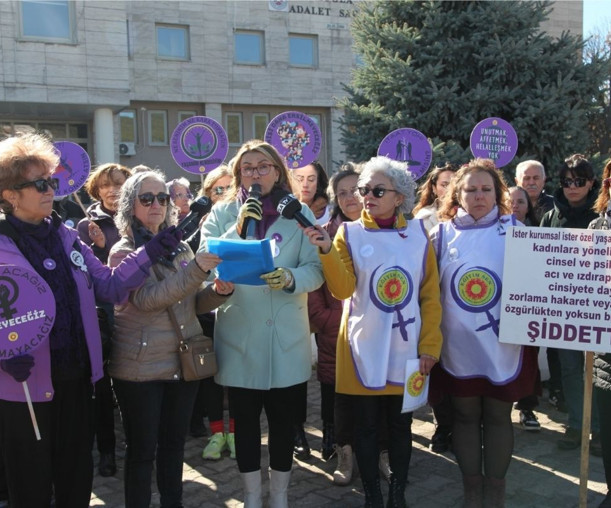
177,181
400,178
127,201
524,165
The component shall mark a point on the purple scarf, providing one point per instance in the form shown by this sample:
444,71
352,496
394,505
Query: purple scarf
69,357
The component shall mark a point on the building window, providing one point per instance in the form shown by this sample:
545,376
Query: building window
183,115
127,122
248,48
51,20
173,42
303,50
158,128
259,124
233,126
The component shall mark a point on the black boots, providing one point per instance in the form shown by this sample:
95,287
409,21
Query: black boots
373,493
302,448
328,441
396,494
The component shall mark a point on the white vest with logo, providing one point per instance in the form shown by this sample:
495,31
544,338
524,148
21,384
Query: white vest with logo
384,311
470,270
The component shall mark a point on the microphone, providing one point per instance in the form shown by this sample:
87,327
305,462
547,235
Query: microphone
251,226
198,209
289,207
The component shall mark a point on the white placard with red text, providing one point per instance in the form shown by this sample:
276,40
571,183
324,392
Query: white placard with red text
557,288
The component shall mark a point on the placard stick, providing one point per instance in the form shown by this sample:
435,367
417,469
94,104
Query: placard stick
28,399
585,430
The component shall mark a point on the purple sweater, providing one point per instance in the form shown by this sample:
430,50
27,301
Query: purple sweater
111,285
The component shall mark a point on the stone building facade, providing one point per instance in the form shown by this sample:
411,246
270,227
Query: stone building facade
118,76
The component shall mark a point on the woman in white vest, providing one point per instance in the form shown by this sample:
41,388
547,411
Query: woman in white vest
386,267
482,376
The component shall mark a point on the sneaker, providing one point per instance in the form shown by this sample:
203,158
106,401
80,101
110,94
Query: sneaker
343,472
529,421
595,446
570,440
230,439
215,447
384,465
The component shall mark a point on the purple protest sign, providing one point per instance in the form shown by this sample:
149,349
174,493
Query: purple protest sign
296,136
73,169
494,138
199,144
410,146
27,310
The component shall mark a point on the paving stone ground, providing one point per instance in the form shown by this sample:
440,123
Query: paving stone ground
539,476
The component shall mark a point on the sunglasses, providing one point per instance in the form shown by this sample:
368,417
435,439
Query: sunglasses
578,182
147,198
220,190
42,184
377,192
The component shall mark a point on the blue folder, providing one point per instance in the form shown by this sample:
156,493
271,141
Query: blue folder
243,260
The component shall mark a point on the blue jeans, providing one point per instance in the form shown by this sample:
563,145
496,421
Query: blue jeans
571,367
156,417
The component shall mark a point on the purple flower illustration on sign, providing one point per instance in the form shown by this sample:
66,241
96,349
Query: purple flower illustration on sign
410,146
296,136
199,144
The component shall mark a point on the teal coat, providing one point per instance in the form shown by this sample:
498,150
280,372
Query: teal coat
262,335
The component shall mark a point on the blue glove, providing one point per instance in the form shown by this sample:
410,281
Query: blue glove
163,243
19,367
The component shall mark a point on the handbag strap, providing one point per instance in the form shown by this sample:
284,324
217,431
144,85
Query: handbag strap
173,319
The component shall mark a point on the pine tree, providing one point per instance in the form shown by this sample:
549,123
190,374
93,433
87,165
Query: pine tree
441,67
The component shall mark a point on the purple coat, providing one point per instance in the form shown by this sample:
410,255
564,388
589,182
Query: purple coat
111,285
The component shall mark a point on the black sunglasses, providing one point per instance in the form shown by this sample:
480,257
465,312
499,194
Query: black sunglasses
220,190
147,198
579,182
377,192
42,184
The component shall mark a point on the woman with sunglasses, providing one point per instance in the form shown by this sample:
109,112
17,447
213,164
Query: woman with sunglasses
574,208
61,372
181,195
99,231
262,335
482,376
210,396
393,316
155,401
602,361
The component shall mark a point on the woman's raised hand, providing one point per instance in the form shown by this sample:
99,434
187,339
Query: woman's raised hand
319,237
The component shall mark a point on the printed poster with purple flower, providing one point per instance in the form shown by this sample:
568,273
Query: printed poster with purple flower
199,144
296,136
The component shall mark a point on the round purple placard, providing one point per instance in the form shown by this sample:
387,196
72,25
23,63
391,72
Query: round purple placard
296,136
494,138
73,168
199,144
410,146
27,311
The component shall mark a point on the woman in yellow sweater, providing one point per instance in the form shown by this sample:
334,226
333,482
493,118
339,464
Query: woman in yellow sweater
385,265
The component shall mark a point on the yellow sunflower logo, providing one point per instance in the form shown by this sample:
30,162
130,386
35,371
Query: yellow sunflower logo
476,288
415,384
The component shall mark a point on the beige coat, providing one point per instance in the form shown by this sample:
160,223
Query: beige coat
144,345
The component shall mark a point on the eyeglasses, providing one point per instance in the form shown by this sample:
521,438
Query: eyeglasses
578,182
180,195
220,190
346,194
42,184
147,198
261,170
377,192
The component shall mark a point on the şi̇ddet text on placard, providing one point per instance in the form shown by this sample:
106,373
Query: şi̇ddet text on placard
557,288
